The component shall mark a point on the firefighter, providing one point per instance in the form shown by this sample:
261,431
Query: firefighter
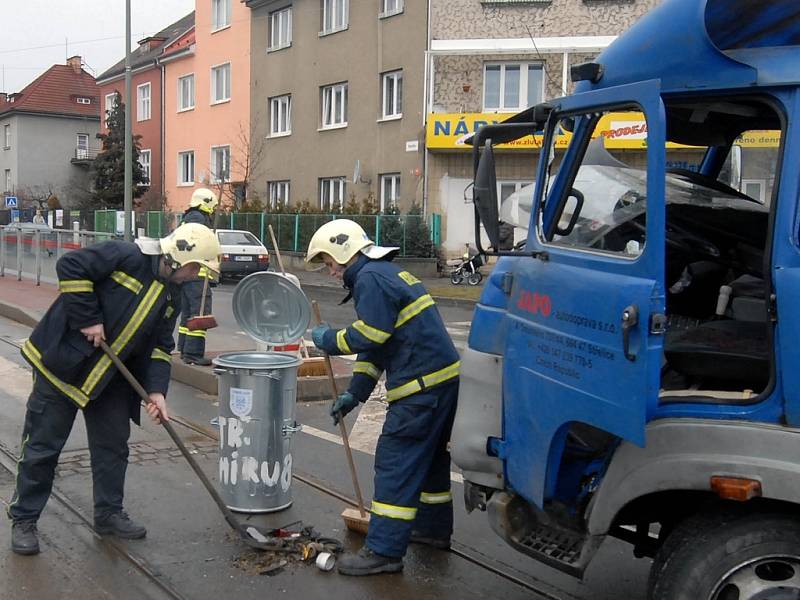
124,293
399,331
192,344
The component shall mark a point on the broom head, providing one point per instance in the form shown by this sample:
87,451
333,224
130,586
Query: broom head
354,521
201,323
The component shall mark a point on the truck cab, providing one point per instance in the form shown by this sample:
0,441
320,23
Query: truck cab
631,368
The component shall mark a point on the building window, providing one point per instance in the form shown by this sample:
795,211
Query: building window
334,16
186,167
143,102
280,30
278,193
280,115
221,83
144,161
186,92
111,103
82,146
220,14
392,95
82,100
8,180
334,105
7,137
331,193
390,190
220,163
391,7
511,87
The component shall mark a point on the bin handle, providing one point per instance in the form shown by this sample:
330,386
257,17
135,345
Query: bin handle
270,374
218,371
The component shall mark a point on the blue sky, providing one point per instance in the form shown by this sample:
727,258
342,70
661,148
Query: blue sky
41,33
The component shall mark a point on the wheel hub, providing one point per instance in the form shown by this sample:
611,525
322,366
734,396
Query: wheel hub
766,578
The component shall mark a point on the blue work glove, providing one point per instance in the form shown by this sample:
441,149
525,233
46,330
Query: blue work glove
318,333
342,405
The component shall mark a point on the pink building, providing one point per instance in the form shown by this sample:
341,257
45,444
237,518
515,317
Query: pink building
207,104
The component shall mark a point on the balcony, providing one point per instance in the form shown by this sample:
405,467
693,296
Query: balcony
83,157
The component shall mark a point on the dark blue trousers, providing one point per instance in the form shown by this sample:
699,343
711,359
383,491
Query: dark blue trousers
192,343
48,422
412,471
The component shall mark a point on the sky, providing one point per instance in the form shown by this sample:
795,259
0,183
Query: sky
40,33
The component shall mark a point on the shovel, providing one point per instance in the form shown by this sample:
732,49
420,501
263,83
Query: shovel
250,535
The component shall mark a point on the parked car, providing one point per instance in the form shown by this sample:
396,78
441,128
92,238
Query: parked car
242,253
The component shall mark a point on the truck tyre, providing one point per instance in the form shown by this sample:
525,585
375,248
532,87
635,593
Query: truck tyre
729,555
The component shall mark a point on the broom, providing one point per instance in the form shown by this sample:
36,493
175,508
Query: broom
354,520
303,348
201,321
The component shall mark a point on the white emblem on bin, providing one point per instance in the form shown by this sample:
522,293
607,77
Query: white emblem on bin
241,402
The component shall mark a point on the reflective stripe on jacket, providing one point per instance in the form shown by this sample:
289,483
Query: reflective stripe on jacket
111,283
398,330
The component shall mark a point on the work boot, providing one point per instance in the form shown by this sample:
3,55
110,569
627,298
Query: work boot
201,361
120,525
23,538
367,562
418,537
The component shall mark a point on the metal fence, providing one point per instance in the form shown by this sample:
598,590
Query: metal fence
415,235
32,253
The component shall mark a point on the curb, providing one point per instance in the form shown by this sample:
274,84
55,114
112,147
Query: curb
19,314
309,389
443,300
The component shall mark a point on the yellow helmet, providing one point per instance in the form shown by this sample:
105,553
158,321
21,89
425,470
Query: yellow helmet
204,199
341,239
192,243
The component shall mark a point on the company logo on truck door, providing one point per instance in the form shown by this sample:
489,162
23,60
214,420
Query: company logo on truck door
535,303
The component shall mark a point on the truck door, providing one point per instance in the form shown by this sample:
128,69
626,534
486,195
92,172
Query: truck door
586,317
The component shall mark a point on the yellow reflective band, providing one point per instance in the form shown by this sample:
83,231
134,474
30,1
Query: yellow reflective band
441,375
428,381
159,354
404,513
341,342
127,281
169,312
437,498
183,330
413,309
407,277
130,329
70,391
198,333
75,286
368,369
369,332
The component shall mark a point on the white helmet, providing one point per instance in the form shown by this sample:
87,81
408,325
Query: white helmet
192,243
204,199
340,239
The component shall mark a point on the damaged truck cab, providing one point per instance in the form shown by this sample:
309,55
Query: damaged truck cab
632,370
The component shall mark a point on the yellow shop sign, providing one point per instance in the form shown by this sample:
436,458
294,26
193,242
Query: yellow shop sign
623,131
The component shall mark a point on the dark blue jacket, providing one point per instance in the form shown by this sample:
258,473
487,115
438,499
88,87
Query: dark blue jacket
399,330
111,283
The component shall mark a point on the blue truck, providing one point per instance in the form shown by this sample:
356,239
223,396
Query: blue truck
633,368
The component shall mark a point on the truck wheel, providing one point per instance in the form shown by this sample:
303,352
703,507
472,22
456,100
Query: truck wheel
730,555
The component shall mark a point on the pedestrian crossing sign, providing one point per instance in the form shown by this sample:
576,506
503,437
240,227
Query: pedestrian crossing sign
11,202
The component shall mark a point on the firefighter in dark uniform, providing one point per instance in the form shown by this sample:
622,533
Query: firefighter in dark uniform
192,344
399,331
123,293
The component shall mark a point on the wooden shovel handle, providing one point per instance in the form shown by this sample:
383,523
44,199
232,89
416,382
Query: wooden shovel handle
342,428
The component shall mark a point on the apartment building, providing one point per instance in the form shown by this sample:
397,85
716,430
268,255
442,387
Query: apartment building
207,105
337,97
46,132
146,97
489,59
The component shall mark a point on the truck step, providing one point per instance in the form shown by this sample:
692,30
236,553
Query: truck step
554,544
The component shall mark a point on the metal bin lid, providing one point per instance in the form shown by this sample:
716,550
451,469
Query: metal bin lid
271,309
256,361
